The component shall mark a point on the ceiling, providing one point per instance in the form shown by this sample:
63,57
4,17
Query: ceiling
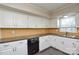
40,9
49,6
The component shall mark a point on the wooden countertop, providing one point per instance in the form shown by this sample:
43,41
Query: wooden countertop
4,40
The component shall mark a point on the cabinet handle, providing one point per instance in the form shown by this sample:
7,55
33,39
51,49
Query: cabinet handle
55,40
14,49
78,41
74,45
62,42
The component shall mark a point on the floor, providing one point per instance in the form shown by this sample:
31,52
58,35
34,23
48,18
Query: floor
50,51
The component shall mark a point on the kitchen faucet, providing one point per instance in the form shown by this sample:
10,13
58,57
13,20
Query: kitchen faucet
66,34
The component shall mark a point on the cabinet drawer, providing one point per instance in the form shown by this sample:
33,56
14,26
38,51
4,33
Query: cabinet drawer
5,46
8,51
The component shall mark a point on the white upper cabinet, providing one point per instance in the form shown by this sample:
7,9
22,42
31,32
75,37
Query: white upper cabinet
32,22
77,20
38,22
53,23
1,18
46,23
6,19
12,19
20,20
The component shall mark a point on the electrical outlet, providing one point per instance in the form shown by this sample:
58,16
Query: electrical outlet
13,32
56,30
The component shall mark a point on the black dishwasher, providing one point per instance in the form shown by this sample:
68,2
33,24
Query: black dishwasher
33,45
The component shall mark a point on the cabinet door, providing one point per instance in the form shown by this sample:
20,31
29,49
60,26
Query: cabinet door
48,40
43,43
7,21
32,22
77,20
71,46
20,20
17,20
38,22
42,22
53,23
45,23
1,18
54,41
21,47
60,43
6,48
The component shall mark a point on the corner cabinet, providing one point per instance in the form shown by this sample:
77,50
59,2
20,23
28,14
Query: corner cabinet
67,45
44,42
53,23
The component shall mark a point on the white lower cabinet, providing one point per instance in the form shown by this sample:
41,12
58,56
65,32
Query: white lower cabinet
7,52
21,48
44,42
67,45
6,49
14,48
71,46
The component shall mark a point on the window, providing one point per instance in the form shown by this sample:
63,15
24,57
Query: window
67,24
